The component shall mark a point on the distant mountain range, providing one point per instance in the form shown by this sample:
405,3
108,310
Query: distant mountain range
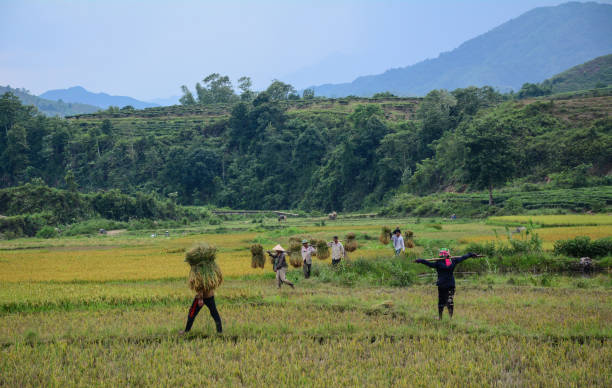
529,48
593,74
103,100
49,107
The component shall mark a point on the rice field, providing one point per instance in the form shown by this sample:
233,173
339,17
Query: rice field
106,311
556,220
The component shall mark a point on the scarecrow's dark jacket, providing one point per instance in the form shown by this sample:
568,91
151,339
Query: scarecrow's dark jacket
445,273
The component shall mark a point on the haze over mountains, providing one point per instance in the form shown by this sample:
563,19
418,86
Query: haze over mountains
103,100
530,48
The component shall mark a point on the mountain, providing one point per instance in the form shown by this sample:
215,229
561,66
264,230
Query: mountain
593,74
49,107
80,95
532,47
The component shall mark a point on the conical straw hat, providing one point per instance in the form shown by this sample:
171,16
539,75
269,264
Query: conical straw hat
278,248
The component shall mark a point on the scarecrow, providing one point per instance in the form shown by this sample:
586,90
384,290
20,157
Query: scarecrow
445,266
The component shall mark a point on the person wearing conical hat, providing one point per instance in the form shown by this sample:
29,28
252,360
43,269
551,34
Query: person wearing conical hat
280,266
307,251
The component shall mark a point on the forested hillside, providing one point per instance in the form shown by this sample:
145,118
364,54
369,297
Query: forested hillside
592,74
343,154
530,48
49,107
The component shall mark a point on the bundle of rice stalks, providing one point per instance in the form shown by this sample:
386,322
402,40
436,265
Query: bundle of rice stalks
295,259
295,244
205,275
258,259
409,239
322,248
385,235
350,244
201,253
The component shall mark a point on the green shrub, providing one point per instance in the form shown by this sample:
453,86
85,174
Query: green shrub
582,246
46,232
93,226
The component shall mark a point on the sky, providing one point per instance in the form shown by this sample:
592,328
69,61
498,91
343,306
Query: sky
147,49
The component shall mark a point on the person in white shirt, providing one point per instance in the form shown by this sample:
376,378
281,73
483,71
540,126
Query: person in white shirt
307,251
398,242
337,251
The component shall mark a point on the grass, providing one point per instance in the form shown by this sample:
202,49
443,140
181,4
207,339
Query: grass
106,310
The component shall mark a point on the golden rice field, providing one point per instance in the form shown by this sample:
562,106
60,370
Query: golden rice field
106,311
557,220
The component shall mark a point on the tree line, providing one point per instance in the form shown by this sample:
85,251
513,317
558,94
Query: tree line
262,156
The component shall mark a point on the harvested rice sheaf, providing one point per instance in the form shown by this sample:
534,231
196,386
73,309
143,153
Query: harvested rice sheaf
205,275
201,253
258,260
385,235
322,248
409,239
350,245
295,259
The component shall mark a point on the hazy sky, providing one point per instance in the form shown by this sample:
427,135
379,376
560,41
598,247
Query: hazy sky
147,49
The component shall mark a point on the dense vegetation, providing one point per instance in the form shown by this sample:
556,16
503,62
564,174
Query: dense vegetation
529,48
49,107
30,208
273,150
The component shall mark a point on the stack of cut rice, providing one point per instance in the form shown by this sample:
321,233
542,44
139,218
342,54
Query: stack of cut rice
205,275
350,245
385,235
295,252
409,239
258,259
322,248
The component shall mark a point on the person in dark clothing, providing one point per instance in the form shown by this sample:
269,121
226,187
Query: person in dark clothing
199,301
445,266
280,266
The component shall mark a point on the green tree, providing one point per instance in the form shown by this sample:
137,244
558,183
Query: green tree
245,84
488,157
308,94
15,155
278,91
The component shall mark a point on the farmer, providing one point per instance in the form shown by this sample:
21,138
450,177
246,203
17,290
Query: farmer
280,266
200,300
337,251
445,265
307,251
398,241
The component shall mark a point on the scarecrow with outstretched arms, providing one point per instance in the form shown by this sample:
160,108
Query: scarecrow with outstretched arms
445,266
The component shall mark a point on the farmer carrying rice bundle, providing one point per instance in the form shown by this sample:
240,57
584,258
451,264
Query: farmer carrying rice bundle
398,241
204,277
280,265
445,266
337,250
307,251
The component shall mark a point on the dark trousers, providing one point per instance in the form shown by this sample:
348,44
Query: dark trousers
335,262
195,309
306,269
445,298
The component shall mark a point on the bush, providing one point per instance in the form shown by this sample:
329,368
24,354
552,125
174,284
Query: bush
582,246
93,226
46,232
